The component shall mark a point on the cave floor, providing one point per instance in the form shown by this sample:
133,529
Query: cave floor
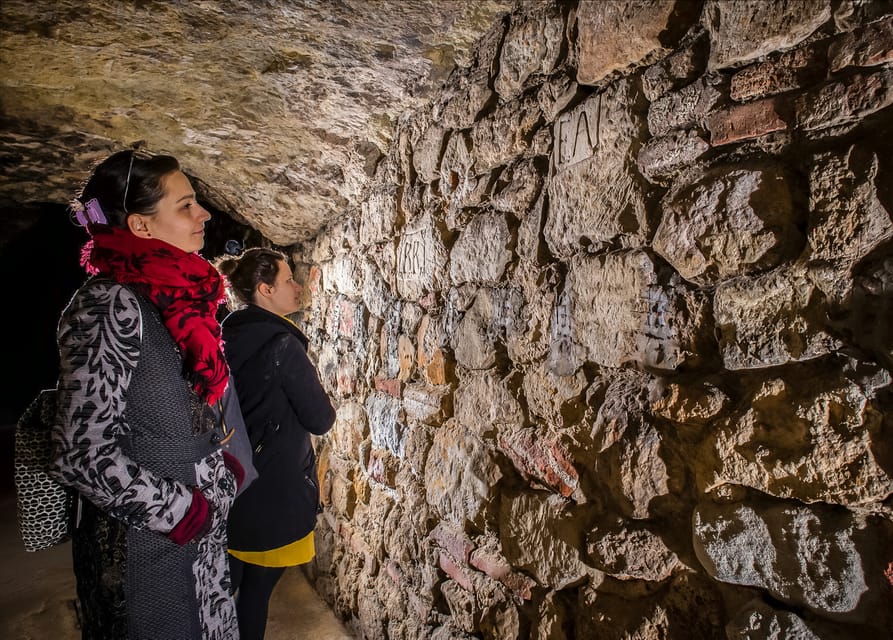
37,593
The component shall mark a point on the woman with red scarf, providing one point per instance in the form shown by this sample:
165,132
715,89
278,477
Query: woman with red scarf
142,378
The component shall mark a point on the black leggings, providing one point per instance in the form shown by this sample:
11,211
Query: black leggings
255,586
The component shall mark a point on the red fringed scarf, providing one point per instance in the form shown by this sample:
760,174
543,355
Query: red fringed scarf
185,287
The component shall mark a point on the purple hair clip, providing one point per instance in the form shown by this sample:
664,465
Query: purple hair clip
90,214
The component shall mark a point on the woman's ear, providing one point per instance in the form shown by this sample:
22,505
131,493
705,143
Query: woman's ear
263,289
137,225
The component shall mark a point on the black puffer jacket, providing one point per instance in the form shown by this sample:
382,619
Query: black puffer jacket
283,402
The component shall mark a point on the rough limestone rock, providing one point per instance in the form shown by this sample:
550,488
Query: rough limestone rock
531,46
632,554
822,437
758,621
596,197
750,29
538,534
460,474
280,110
844,230
661,157
483,403
728,224
481,334
629,314
803,556
501,136
615,35
771,319
378,221
481,253
686,108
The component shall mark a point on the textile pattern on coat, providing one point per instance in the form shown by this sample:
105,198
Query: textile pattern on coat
124,439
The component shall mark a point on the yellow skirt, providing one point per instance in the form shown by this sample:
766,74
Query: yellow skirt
298,552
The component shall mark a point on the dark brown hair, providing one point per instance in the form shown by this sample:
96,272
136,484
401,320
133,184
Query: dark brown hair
248,270
134,174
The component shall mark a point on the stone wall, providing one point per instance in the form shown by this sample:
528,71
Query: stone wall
610,338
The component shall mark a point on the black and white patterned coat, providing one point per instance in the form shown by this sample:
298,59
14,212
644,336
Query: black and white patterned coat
132,438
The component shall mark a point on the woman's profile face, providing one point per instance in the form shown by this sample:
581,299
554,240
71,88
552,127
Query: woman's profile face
180,219
284,291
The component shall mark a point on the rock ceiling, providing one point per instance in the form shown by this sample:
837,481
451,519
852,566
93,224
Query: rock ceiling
278,108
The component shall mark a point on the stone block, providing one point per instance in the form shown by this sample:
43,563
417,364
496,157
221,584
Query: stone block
421,259
381,467
790,70
757,619
848,220
596,197
497,567
538,533
747,30
464,98
378,296
453,540
483,328
867,46
456,167
750,120
821,444
386,423
632,554
344,275
483,402
541,458
532,46
378,221
350,429
550,396
771,319
691,405
523,182
555,94
390,386
685,108
678,69
604,33
802,555
431,360
845,101
481,253
343,496
731,222
461,475
505,134
662,157
622,310
406,356
427,152
455,571
426,402
346,376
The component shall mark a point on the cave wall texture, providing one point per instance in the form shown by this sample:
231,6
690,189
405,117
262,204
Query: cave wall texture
610,334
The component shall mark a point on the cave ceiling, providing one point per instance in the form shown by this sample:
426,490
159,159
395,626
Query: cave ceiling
278,109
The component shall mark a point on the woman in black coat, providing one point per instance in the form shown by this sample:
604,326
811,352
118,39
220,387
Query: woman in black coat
283,403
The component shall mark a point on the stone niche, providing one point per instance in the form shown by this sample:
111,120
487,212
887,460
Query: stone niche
612,350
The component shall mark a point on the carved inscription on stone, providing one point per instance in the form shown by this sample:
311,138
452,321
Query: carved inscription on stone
595,194
577,133
421,257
